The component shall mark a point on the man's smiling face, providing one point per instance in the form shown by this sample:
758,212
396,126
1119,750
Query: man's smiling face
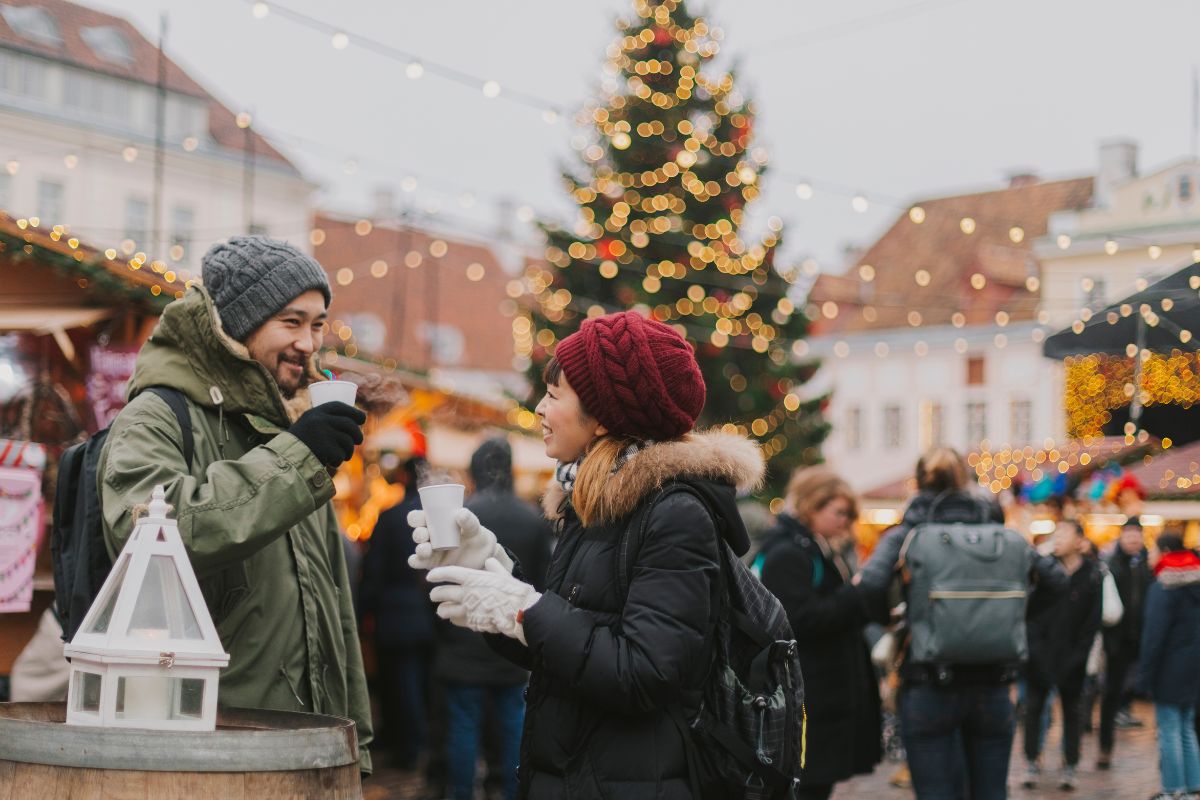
284,344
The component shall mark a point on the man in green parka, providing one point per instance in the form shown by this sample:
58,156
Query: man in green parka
254,507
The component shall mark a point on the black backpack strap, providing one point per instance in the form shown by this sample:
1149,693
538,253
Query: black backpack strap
179,404
635,533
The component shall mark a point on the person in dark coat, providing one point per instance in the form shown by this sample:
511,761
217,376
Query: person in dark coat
1060,638
803,567
394,596
1170,663
957,721
610,674
1130,568
474,676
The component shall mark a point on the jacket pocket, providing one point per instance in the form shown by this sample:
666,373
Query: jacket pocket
224,591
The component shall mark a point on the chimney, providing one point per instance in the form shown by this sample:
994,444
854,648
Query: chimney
1021,177
383,200
1118,163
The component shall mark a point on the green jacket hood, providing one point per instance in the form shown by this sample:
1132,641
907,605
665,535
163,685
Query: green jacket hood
190,351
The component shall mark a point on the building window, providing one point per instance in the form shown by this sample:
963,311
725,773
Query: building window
975,371
1094,291
108,43
33,23
1022,422
976,423
892,432
446,343
931,427
183,223
137,222
1185,188
50,202
854,431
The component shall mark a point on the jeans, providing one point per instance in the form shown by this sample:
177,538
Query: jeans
970,725
402,691
1115,695
1178,754
1035,729
464,712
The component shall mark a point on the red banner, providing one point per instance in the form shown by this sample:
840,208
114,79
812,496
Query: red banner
111,369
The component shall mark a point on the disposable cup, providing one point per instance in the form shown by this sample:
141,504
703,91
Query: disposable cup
331,391
441,503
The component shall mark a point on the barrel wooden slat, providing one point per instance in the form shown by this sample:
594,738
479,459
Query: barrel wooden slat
253,755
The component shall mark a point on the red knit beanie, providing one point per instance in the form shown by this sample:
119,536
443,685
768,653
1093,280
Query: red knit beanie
637,376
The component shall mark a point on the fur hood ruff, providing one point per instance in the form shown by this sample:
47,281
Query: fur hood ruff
709,455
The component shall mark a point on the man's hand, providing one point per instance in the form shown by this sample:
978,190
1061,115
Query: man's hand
476,544
330,431
485,600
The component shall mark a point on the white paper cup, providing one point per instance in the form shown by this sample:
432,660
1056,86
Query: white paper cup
330,391
441,503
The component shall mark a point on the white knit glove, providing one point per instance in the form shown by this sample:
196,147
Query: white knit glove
485,600
476,544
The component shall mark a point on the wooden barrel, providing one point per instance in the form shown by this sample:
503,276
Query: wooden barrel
252,755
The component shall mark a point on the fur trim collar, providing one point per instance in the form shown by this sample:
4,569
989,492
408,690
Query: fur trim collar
710,455
1178,569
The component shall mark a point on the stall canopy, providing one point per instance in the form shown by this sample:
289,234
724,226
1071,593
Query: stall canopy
1164,316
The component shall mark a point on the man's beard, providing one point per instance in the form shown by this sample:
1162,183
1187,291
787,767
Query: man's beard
288,388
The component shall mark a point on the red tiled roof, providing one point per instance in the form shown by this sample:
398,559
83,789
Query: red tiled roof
939,246
1172,474
72,19
407,298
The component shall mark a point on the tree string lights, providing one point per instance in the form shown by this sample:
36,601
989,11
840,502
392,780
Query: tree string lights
665,176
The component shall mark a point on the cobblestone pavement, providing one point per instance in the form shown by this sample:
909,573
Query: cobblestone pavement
1134,775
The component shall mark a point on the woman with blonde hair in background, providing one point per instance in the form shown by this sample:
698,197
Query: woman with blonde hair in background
956,716
803,567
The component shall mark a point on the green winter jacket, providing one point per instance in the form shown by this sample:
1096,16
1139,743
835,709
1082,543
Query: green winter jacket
254,512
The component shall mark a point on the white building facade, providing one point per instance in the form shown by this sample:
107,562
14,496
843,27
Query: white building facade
78,132
895,393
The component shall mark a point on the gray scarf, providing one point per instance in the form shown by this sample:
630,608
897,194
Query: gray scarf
566,472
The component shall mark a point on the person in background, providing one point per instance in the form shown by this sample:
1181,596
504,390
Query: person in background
474,676
803,566
394,596
957,721
1130,569
1060,638
1170,663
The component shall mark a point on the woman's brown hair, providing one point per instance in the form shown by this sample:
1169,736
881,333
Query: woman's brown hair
941,469
597,463
812,488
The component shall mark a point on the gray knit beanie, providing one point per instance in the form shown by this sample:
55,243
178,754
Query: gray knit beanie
252,278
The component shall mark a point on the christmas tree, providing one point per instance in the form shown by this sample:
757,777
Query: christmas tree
666,174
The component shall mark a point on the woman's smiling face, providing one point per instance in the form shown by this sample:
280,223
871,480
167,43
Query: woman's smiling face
567,429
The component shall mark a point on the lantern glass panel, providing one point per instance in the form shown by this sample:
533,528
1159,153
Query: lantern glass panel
159,697
100,625
87,692
162,610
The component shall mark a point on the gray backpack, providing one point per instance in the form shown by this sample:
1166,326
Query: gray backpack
967,588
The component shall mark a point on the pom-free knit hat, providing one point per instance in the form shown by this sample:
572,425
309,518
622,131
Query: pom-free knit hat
637,376
251,278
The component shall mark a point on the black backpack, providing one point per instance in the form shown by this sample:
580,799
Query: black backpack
80,559
747,740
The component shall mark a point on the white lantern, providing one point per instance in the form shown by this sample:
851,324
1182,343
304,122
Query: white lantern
147,654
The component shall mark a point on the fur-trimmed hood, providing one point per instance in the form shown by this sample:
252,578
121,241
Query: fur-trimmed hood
712,457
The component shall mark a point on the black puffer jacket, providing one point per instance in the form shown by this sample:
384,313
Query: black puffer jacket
605,669
827,617
1061,636
1134,578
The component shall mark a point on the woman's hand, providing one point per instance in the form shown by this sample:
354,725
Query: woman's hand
476,544
484,600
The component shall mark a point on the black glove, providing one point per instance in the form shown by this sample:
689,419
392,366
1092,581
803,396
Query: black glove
330,430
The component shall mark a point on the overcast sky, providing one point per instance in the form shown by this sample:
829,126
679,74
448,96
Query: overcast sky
896,99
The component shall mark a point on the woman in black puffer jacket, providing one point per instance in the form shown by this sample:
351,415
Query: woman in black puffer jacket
802,567
622,396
